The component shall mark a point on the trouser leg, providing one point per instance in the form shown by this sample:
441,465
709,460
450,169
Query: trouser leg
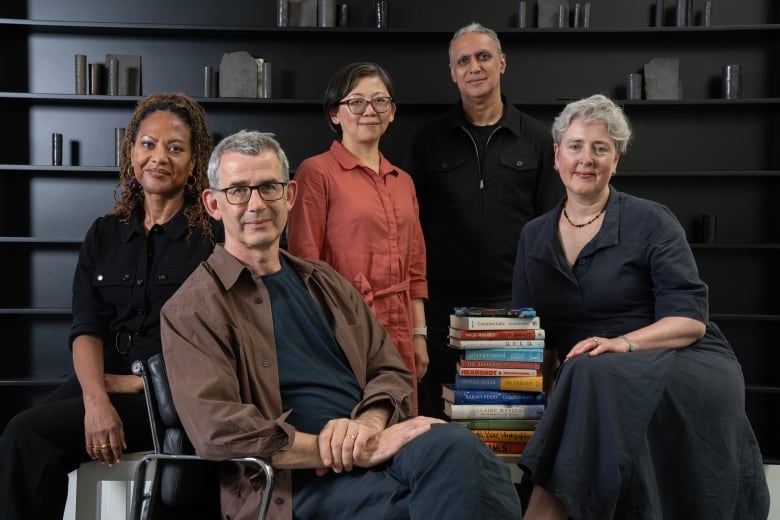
445,473
41,445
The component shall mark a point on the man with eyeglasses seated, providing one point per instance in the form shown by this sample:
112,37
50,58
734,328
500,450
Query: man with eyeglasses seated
277,356
358,212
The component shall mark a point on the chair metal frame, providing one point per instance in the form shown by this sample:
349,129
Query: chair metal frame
140,495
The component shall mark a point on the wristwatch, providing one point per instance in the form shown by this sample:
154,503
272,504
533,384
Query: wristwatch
420,331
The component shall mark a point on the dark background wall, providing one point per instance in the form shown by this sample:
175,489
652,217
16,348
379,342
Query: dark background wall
698,155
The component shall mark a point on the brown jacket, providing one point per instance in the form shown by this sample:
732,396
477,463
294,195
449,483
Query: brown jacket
218,342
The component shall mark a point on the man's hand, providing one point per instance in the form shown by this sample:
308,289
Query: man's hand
345,443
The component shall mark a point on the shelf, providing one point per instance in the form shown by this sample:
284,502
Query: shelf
80,28
745,317
42,311
40,241
55,98
33,381
761,389
40,168
707,173
766,247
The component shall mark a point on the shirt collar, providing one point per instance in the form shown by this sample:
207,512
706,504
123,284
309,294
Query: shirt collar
349,162
228,269
175,228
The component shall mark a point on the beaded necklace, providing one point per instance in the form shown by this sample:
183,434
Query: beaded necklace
591,221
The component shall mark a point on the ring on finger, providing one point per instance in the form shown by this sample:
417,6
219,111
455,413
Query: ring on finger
595,340
351,436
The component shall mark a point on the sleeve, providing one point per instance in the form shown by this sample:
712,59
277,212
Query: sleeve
202,370
677,287
418,287
308,219
91,315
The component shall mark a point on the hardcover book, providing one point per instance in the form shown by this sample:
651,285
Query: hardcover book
478,363
522,312
497,334
506,447
505,354
493,411
504,435
499,424
468,371
495,343
467,396
493,322
516,383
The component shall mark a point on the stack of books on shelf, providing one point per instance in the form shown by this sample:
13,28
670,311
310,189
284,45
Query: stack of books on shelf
498,389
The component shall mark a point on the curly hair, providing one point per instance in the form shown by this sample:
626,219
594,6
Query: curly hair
128,195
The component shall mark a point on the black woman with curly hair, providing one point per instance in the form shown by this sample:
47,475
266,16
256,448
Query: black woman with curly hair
131,261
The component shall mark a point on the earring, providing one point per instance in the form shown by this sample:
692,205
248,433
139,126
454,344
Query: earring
190,189
133,185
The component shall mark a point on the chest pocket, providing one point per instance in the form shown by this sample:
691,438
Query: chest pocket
112,276
441,164
172,274
516,179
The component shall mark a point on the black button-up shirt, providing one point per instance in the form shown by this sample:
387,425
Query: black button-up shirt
124,276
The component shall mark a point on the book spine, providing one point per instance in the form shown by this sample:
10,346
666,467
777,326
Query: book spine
496,343
522,312
504,435
502,372
505,354
497,397
477,363
499,424
515,334
496,411
521,383
506,447
493,323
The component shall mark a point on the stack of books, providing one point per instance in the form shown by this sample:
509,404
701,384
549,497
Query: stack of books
498,389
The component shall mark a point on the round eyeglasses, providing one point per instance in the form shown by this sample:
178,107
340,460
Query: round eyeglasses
269,192
358,105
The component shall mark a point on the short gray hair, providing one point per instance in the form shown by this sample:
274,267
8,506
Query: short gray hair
596,109
475,27
246,142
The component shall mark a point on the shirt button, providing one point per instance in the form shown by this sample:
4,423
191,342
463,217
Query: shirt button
139,282
583,261
99,278
266,363
519,163
139,311
162,277
445,165
258,299
126,277
278,501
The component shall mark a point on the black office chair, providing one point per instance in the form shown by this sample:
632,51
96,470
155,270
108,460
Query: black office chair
184,485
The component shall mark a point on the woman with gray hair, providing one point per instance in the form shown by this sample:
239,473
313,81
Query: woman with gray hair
647,419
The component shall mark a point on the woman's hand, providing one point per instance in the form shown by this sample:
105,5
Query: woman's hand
421,360
596,345
103,431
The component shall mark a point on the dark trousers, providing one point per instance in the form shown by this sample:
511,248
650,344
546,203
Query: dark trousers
41,445
442,358
446,473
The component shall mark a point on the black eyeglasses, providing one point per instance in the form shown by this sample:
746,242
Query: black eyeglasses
269,192
357,106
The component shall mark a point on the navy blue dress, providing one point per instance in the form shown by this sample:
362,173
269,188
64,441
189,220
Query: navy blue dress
642,435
